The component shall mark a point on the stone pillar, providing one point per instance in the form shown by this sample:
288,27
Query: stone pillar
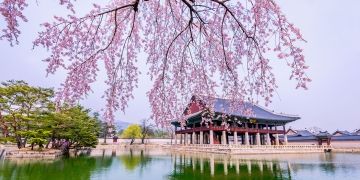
247,138
201,137
277,142
235,138
193,138
285,136
211,134
258,142
268,140
223,137
285,139
198,138
186,141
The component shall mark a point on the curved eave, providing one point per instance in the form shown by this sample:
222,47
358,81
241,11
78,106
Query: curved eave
189,117
196,116
281,120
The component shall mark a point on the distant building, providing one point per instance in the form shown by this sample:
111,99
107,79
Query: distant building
346,139
341,139
305,137
302,133
341,133
356,132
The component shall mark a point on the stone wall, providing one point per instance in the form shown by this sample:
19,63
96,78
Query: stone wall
334,143
252,149
137,141
26,153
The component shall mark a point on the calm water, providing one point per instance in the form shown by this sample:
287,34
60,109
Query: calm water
157,164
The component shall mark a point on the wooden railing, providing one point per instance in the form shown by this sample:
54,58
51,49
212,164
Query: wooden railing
232,129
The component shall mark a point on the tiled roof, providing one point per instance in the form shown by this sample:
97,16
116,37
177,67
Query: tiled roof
356,132
304,133
223,106
333,138
323,134
342,132
301,138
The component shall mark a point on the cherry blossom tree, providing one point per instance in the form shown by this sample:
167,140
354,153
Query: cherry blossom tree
208,47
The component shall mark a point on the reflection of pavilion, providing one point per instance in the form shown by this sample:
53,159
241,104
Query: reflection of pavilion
219,167
248,125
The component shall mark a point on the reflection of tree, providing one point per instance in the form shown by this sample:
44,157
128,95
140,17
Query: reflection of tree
132,161
79,168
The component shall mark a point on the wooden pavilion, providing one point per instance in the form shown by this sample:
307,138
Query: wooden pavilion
249,124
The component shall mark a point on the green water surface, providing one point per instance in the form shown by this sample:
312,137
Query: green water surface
150,164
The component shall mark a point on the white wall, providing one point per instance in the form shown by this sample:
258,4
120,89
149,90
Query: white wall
335,144
137,141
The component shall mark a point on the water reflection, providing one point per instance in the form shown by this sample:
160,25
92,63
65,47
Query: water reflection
203,166
131,161
79,168
163,164
287,166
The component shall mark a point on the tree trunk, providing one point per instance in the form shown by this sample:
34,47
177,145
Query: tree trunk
18,142
132,141
105,135
143,140
54,144
65,147
48,143
41,145
172,137
24,142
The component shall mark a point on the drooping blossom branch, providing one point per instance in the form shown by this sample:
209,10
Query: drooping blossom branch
12,12
207,47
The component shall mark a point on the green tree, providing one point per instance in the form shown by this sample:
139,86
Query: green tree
21,107
28,116
37,137
133,131
74,126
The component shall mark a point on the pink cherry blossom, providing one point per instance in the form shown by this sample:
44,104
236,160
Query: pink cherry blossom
215,48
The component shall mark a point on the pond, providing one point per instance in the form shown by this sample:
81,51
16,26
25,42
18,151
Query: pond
156,164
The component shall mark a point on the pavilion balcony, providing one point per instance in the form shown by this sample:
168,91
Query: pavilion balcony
231,129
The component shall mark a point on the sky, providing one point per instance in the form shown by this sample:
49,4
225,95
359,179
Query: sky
330,27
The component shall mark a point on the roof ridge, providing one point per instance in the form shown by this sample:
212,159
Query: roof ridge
264,113
272,111
262,107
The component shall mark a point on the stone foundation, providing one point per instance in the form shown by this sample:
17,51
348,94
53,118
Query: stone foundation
252,149
24,153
